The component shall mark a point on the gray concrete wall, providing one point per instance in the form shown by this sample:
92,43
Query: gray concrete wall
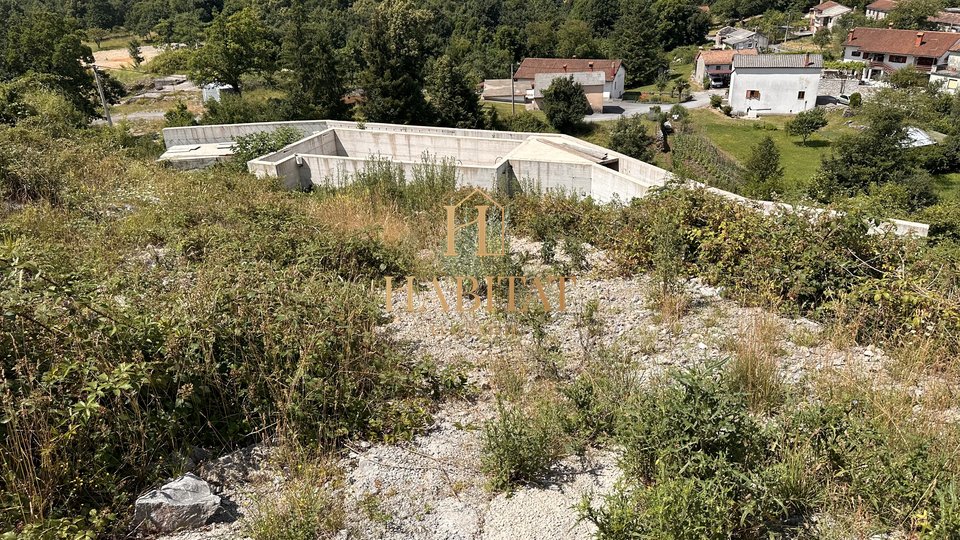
230,132
467,151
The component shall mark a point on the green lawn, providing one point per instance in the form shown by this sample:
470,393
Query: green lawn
113,42
505,110
737,137
678,72
129,76
948,186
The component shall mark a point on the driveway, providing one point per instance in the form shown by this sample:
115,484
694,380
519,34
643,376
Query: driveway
614,109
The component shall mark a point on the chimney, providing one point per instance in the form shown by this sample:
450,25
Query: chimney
806,59
919,39
718,41
850,36
564,68
591,65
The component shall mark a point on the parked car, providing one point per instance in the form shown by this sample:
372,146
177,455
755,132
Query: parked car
843,99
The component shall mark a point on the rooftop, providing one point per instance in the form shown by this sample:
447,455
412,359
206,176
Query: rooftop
778,61
530,67
723,56
831,9
946,17
884,6
905,42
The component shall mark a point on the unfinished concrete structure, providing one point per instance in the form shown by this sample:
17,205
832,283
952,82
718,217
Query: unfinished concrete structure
331,153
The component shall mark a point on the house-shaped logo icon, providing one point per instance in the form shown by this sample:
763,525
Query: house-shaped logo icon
486,208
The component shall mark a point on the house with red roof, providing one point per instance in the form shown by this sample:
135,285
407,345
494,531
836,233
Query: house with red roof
885,50
614,72
718,65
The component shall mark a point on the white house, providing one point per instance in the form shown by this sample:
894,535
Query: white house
949,75
775,83
613,71
740,39
878,11
825,15
885,50
947,20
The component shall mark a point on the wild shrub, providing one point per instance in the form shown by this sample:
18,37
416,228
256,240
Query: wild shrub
171,61
307,507
247,147
201,310
519,448
753,369
690,425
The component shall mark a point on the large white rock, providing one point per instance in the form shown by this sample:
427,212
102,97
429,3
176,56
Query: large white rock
185,503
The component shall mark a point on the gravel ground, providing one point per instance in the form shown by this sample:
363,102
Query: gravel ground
432,487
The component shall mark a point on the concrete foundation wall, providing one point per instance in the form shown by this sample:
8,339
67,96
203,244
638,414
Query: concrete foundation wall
230,132
413,147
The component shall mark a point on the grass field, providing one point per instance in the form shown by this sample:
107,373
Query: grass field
505,110
737,137
129,76
948,186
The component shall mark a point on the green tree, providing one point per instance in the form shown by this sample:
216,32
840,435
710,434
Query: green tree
680,86
873,156
541,39
565,104
822,38
49,47
629,136
453,96
661,82
913,14
237,45
763,173
908,77
681,22
635,42
807,123
575,39
395,47
315,88
96,35
601,15
133,49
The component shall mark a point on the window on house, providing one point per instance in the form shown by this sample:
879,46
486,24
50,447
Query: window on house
753,94
801,94
925,61
878,57
898,59
855,54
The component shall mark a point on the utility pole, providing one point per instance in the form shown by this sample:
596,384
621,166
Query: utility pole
513,96
103,95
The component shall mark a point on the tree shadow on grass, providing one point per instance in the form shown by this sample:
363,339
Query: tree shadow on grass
819,143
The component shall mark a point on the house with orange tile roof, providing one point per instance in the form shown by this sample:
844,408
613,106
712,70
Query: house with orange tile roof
885,50
718,65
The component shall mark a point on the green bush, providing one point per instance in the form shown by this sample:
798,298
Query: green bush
856,100
170,62
248,147
519,448
716,101
629,136
526,121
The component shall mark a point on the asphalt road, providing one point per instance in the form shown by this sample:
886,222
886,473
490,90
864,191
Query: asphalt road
614,109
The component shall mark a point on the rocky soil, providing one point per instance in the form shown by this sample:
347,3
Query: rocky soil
432,487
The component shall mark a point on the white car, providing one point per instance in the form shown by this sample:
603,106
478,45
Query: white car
843,99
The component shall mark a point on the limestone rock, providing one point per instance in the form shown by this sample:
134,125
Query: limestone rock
185,503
